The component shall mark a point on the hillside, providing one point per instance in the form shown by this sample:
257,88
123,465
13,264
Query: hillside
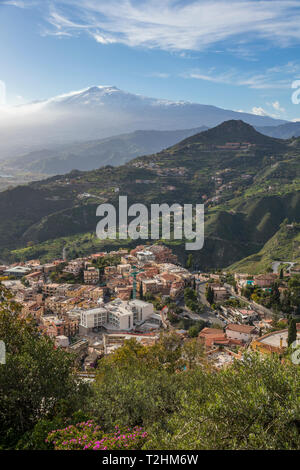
248,182
90,155
283,131
283,247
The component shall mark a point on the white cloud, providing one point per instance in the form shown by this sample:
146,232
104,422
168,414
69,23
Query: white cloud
15,3
21,3
177,26
279,77
277,107
260,111
103,39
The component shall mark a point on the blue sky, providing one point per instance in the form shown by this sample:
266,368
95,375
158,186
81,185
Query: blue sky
239,54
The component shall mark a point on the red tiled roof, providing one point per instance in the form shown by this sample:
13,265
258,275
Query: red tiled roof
240,328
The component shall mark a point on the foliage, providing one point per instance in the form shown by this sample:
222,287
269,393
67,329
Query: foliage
191,299
253,404
210,295
37,381
163,396
89,436
292,332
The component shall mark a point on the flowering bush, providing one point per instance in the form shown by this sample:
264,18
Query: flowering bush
89,436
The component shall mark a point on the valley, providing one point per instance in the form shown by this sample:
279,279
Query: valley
248,182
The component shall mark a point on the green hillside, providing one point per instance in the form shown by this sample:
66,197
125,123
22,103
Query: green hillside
284,246
248,182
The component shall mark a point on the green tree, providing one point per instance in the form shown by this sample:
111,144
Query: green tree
210,295
281,274
36,381
292,331
190,261
253,404
141,291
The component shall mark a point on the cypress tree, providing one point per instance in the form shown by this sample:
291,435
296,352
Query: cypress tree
292,332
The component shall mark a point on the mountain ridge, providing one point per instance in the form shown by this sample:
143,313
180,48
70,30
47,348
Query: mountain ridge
247,192
100,112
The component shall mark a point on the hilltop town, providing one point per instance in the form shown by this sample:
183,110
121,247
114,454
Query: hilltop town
91,305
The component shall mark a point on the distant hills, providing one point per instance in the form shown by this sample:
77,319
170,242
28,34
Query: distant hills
103,111
90,155
249,183
116,150
284,131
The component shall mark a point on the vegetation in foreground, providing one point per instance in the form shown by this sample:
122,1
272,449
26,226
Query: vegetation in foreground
166,394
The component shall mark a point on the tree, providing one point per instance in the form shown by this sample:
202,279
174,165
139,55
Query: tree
275,297
193,353
190,261
193,331
141,291
281,274
253,404
36,379
210,295
292,331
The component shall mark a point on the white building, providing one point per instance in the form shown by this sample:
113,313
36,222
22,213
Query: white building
62,341
145,256
116,315
243,333
17,271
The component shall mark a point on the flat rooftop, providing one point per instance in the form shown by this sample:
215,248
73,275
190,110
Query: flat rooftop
274,339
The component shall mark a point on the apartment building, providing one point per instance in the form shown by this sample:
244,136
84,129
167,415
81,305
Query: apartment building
116,315
91,275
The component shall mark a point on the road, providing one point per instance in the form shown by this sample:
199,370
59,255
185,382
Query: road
253,306
208,314
276,265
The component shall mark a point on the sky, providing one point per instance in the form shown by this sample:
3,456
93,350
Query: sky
239,54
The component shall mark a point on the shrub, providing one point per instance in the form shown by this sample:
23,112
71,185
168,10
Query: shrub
89,436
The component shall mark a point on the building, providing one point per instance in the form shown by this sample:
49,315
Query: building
62,341
275,342
163,254
214,337
113,341
145,256
17,271
91,275
115,315
74,267
244,333
246,316
220,293
265,280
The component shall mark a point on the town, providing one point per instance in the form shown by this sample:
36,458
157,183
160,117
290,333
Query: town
92,305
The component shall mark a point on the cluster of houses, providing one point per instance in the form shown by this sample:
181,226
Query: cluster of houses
108,300
236,146
97,300
158,170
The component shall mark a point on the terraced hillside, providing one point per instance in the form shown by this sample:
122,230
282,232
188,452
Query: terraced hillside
249,183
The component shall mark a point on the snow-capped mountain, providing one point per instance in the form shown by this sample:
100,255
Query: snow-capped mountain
102,111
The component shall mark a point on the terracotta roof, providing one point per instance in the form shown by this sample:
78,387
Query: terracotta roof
240,328
210,331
